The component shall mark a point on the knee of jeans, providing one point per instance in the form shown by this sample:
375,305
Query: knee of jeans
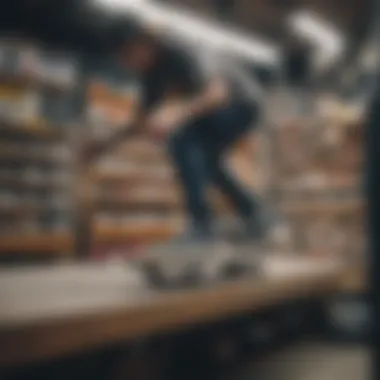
178,146
216,169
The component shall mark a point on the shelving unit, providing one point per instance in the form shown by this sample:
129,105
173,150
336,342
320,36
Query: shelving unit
36,162
318,183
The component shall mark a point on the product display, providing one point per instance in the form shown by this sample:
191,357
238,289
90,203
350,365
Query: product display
58,68
109,105
319,180
25,61
322,159
34,166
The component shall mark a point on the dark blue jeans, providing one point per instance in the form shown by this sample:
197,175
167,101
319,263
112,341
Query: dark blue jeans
197,151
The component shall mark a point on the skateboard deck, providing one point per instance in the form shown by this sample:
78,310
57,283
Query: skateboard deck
171,266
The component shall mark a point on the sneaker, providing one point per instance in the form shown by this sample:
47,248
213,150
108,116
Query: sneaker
180,261
256,228
261,227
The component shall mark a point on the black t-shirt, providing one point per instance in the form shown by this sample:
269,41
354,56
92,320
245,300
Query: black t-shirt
187,73
176,72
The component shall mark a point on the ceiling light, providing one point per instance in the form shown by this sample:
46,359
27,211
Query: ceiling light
199,31
328,40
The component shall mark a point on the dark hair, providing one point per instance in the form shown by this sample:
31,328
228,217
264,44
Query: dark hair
126,32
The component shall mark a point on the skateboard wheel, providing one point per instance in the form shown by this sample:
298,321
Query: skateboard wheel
154,275
191,276
234,270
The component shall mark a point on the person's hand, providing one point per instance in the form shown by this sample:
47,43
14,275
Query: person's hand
166,119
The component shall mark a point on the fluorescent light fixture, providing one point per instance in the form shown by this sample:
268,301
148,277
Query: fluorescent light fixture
115,5
329,41
198,31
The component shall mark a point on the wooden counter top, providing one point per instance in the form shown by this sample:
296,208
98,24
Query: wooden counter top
52,312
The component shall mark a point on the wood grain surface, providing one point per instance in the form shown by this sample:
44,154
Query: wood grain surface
52,312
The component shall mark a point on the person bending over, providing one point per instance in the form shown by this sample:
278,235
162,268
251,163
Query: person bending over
199,115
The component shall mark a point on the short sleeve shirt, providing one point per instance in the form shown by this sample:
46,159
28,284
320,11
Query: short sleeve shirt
186,73
177,72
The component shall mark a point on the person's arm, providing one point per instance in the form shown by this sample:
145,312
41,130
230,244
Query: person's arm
195,90
175,111
95,150
213,95
209,89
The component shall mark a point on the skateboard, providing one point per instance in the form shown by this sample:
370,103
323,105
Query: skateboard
185,266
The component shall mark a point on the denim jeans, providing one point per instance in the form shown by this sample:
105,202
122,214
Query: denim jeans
197,151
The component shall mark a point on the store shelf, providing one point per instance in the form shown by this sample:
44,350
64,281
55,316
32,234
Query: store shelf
131,204
166,198
36,167
14,154
13,211
141,150
148,232
32,81
322,207
136,176
333,185
17,182
169,198
143,231
30,130
63,242
20,209
37,243
144,150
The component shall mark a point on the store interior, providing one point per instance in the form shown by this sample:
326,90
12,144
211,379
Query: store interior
73,301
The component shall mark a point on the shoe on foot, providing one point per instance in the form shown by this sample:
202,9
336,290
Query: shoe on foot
272,229
256,228
182,257
259,226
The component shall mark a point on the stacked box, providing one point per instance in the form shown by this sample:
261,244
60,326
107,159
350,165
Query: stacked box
330,231
326,158
318,182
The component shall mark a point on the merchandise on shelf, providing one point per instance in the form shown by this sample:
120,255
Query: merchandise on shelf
109,105
34,170
338,234
18,105
327,157
22,60
17,58
58,67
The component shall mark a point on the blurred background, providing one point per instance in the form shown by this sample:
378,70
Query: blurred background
316,62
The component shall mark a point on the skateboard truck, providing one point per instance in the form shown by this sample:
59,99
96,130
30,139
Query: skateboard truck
174,270
190,276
